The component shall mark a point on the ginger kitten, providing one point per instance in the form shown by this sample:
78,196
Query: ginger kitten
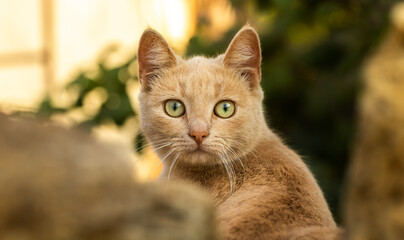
205,120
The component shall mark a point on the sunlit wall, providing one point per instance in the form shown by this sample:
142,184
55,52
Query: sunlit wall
44,42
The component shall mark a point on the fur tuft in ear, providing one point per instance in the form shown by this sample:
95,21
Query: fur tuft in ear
154,54
244,54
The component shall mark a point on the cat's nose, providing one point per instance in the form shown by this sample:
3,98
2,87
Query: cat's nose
198,136
198,130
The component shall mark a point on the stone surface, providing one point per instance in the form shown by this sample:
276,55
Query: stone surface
57,183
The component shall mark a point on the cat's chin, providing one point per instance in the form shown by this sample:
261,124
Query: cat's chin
201,153
201,156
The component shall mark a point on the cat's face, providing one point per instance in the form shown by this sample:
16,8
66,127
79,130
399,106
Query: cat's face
201,110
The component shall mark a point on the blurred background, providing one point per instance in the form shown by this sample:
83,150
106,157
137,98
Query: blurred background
74,62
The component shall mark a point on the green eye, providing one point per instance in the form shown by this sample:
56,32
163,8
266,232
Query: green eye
174,108
225,109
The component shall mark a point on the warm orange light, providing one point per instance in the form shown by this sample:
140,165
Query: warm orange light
174,12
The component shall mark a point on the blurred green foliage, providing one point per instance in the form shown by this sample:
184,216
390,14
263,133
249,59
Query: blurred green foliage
313,52
111,81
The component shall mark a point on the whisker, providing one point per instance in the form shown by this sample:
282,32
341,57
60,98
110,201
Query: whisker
231,164
237,157
239,145
150,144
226,166
153,150
159,140
172,165
162,160
153,142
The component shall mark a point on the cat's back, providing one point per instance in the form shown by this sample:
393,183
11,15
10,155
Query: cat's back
278,192
287,176
272,179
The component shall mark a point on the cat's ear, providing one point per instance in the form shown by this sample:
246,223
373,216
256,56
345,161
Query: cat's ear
244,55
154,54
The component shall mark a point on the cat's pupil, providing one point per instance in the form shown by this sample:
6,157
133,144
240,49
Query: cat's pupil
226,106
175,106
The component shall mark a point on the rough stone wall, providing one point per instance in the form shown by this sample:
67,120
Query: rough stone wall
61,184
375,202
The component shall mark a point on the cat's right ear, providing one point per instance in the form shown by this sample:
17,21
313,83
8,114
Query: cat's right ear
154,54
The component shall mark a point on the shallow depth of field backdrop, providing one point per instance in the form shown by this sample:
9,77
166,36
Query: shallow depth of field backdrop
75,62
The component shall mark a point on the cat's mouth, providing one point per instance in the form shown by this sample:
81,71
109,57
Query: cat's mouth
200,149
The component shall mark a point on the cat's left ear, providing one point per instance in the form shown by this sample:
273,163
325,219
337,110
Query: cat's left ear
244,55
154,54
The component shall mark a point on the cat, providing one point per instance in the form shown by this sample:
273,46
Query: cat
205,119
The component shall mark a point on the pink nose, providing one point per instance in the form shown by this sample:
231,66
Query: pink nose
198,130
198,136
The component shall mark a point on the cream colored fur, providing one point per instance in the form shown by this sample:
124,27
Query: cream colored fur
261,188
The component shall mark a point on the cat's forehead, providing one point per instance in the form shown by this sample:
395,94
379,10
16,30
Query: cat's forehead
202,72
201,69
203,77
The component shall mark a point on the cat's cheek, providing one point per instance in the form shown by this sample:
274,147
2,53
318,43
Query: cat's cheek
169,126
242,130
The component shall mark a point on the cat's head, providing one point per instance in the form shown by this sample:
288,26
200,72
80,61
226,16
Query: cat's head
201,110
